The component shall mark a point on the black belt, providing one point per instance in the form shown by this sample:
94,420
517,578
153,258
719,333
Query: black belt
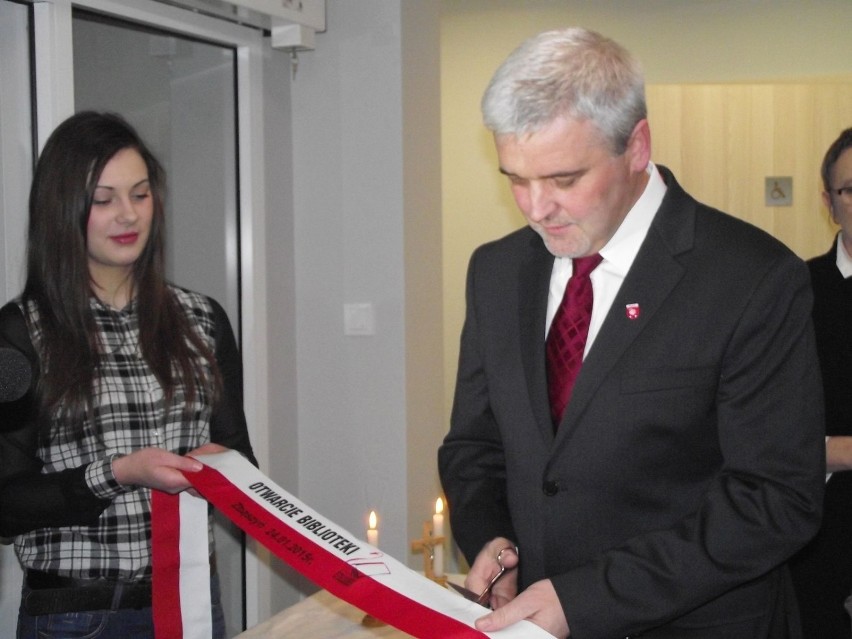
51,594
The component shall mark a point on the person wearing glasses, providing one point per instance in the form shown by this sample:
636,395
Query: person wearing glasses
822,571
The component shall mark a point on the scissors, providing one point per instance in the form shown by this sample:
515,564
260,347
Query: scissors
483,597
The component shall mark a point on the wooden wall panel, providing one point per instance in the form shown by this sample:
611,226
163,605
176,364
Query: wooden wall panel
723,140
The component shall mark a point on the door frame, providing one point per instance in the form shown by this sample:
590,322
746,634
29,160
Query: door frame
54,94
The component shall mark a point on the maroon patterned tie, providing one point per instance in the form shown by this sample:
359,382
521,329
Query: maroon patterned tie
566,340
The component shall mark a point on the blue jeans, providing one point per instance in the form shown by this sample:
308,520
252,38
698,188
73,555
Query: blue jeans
126,623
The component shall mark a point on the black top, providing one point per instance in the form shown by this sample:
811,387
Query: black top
833,325
33,497
822,571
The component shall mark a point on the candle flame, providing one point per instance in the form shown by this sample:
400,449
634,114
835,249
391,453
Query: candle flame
439,506
373,519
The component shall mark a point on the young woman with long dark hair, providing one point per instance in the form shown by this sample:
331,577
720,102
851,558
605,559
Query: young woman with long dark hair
131,376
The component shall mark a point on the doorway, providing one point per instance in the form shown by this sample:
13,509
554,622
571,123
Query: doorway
191,86
180,95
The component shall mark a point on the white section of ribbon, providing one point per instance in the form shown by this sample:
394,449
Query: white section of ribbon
384,569
195,604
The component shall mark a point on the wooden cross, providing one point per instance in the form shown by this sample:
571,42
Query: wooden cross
426,545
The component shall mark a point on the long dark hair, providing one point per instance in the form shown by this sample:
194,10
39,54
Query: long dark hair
58,279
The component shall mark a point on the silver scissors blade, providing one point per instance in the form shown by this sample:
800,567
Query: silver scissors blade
464,592
484,597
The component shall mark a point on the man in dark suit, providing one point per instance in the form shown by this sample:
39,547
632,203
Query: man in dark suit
688,465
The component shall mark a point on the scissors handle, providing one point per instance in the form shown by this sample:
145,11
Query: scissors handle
486,594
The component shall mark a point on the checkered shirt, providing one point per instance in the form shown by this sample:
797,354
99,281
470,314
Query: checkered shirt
129,414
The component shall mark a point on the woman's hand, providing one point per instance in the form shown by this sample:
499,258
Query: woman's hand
156,468
208,449
205,449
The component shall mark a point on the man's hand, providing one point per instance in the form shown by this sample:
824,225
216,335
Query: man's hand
155,468
537,604
838,453
486,566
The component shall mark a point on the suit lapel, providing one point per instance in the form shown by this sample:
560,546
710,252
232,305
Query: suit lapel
654,273
533,284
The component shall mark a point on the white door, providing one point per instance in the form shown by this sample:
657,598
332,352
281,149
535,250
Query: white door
188,84
179,93
16,157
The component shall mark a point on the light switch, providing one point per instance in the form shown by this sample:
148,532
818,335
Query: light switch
359,319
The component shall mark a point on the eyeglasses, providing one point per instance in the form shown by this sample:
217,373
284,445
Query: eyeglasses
844,193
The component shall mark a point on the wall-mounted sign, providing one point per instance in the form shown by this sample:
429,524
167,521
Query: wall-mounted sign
779,191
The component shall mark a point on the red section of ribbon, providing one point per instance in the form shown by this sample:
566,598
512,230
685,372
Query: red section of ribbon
323,567
165,559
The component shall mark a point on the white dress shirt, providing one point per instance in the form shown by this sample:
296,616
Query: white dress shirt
844,261
618,256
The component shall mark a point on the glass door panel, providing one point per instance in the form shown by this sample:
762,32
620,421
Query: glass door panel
16,143
180,94
16,162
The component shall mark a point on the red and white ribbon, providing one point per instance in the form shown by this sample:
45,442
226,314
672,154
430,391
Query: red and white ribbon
181,561
314,546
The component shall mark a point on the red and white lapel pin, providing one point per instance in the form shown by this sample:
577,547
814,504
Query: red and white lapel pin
633,311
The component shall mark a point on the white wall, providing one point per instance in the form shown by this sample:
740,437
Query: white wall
354,127
282,446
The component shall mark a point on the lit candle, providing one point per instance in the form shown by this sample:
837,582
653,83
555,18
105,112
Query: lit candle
438,531
373,531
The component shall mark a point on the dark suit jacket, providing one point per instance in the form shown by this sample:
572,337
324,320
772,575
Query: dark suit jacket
822,571
690,462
